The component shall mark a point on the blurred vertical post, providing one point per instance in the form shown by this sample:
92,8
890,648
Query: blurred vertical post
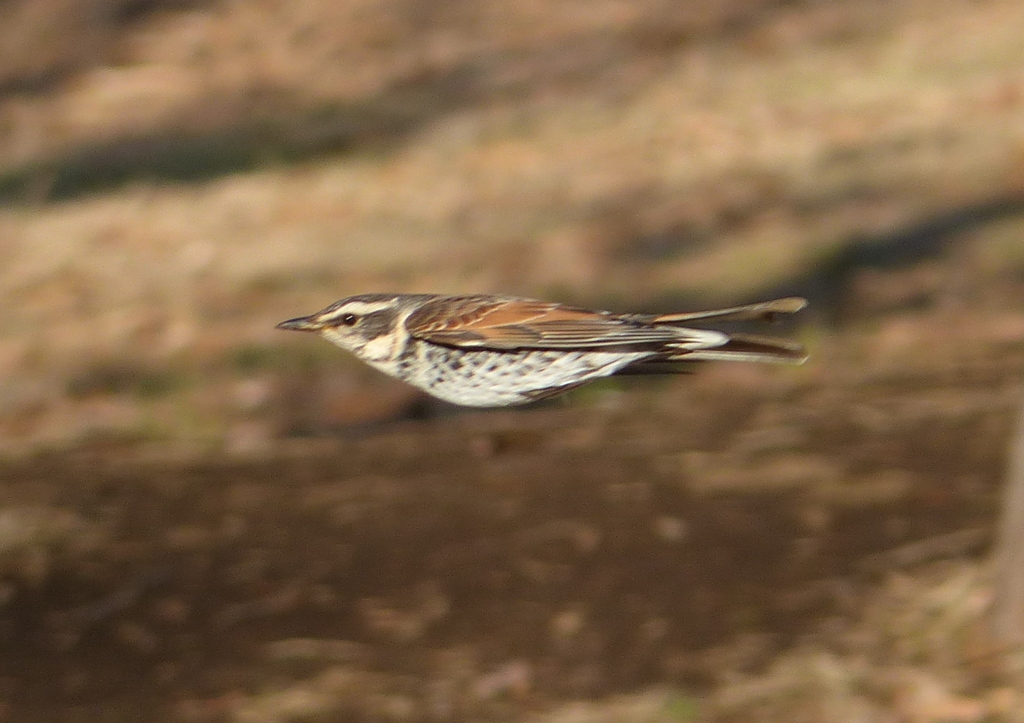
1008,597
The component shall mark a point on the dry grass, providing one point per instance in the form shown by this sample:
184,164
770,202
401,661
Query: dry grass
546,153
917,651
914,651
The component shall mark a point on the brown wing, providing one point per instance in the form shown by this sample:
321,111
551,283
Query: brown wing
486,322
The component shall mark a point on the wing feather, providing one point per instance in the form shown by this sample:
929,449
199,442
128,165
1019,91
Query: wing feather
479,322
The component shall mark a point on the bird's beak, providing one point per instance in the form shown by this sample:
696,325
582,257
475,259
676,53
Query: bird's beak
302,323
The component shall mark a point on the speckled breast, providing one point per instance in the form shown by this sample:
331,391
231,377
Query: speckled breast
484,378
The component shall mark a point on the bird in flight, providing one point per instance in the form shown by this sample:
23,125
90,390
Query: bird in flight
497,351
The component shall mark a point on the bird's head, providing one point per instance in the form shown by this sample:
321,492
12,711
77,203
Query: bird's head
368,325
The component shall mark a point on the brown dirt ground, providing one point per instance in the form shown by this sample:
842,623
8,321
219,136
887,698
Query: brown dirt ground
486,566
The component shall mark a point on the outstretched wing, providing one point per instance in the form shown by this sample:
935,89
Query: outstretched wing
486,322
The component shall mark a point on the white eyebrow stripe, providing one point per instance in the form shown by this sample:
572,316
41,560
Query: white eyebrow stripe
361,308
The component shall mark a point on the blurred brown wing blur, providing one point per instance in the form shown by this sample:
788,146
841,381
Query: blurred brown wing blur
485,322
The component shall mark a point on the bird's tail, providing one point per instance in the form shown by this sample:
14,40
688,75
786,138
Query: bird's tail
747,347
763,311
740,347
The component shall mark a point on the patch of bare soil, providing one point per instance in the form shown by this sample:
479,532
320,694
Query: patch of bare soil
482,567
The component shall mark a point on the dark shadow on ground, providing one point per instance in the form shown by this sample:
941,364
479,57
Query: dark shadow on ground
594,550
930,238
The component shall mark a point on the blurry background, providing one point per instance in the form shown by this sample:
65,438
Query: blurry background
212,520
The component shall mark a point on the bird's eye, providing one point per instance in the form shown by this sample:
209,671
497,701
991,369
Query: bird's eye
349,319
